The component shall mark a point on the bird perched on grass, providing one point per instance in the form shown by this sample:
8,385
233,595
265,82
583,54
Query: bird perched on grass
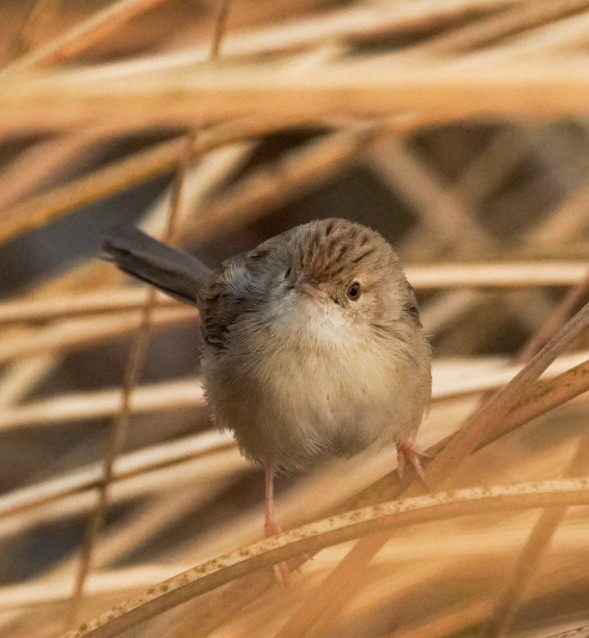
313,346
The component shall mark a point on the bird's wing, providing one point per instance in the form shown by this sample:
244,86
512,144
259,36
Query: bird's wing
239,287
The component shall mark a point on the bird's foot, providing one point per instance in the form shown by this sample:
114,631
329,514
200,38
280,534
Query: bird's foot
271,528
406,452
281,571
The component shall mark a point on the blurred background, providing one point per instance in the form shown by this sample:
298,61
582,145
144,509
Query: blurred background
456,128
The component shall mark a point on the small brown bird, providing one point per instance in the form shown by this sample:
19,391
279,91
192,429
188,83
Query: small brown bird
313,346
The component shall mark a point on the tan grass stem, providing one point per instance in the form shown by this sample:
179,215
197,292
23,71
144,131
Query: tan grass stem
556,319
550,88
499,26
92,30
534,550
36,167
334,530
439,209
101,583
563,222
128,466
301,170
37,14
20,377
119,430
578,632
344,24
78,304
85,332
49,206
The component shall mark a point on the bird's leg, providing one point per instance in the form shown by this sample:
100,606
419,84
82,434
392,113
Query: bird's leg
271,527
406,452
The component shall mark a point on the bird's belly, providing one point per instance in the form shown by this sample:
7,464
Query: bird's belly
297,405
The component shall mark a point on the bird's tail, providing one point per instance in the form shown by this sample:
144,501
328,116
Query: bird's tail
174,272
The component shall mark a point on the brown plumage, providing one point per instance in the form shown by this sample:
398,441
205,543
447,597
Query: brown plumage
312,344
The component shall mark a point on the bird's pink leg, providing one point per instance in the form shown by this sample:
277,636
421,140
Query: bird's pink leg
406,452
271,527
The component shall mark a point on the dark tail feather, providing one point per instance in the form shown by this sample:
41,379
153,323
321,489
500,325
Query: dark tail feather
174,272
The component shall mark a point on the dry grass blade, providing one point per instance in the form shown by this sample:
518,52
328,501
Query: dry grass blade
568,218
545,396
127,466
36,167
534,550
496,27
69,335
537,545
495,275
490,415
579,632
220,27
344,24
400,167
47,207
57,411
337,529
104,582
492,166
37,14
21,377
75,305
41,209
566,34
554,88
83,36
120,428
555,320
448,624
304,168
116,440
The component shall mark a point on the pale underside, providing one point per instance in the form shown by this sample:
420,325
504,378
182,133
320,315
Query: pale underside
297,391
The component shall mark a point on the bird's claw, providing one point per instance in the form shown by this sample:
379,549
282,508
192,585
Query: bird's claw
281,571
406,452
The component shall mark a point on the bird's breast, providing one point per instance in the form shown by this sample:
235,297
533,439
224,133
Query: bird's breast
309,383
317,363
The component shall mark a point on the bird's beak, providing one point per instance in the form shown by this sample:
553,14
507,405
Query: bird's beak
311,287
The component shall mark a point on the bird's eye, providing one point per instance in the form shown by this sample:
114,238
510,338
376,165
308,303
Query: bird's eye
354,291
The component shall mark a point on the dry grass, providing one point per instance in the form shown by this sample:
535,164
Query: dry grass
457,127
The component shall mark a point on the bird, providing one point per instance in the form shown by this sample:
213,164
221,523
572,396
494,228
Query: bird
312,343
